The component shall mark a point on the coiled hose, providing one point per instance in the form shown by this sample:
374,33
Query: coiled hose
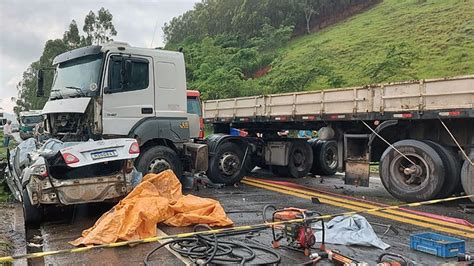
203,250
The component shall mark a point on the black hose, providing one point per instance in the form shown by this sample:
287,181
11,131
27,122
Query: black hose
393,255
203,249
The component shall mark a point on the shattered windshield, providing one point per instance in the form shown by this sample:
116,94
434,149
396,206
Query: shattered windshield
77,78
32,119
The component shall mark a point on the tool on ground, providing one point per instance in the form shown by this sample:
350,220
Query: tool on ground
339,259
298,236
205,250
388,227
465,257
383,261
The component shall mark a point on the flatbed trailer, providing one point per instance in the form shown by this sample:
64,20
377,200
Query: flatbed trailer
422,132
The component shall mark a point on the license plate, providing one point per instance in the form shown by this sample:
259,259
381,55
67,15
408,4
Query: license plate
103,154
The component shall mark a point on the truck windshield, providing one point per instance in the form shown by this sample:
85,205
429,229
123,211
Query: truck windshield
32,119
194,106
78,77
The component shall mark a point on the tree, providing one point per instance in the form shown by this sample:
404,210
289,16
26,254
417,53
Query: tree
309,11
99,28
71,37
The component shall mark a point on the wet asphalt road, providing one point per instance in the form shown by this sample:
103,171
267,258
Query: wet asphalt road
243,204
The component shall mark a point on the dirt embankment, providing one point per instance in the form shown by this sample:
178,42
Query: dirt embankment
11,229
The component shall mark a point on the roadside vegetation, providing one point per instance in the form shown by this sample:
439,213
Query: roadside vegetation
383,42
4,191
242,48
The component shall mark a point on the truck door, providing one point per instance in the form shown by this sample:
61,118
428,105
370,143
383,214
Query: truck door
129,94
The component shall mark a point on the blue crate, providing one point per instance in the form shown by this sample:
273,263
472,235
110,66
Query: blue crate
437,244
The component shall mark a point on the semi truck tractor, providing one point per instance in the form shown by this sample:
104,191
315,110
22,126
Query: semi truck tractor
422,132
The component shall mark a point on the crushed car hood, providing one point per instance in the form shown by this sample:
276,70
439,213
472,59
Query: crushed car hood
70,105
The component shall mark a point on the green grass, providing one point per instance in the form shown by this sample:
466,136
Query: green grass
4,191
439,32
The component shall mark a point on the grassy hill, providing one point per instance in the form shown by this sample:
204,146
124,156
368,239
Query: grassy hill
394,41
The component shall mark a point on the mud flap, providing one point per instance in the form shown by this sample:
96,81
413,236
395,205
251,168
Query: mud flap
357,159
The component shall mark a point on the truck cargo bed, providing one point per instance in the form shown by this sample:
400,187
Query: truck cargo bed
424,99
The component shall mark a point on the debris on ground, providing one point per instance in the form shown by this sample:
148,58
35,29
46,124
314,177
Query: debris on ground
349,230
467,208
158,198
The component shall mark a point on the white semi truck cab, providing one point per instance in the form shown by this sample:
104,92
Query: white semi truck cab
115,90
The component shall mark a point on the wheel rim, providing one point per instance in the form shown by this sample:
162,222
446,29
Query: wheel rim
298,159
158,165
229,163
408,175
330,157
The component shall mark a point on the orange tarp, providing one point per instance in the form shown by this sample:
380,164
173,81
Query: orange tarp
156,199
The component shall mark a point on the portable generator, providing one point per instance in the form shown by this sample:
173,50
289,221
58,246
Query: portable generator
298,235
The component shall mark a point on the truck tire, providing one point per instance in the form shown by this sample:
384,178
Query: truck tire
300,160
324,157
467,178
412,182
33,214
226,165
452,167
159,158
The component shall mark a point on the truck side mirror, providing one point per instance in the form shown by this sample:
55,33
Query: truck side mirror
40,83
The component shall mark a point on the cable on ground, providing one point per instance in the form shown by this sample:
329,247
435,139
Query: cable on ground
203,250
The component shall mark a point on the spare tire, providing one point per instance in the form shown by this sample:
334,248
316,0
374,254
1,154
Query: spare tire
226,165
324,157
418,178
452,167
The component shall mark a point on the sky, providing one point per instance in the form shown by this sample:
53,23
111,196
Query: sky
25,26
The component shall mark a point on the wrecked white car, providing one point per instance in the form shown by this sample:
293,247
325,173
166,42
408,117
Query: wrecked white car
67,173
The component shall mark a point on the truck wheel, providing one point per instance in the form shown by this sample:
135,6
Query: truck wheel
226,165
467,178
412,182
156,159
300,160
33,215
452,167
325,157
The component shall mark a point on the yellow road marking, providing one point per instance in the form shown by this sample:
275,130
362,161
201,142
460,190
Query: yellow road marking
355,208
369,206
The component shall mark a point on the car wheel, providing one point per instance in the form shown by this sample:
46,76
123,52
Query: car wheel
418,178
452,168
156,159
33,214
226,166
